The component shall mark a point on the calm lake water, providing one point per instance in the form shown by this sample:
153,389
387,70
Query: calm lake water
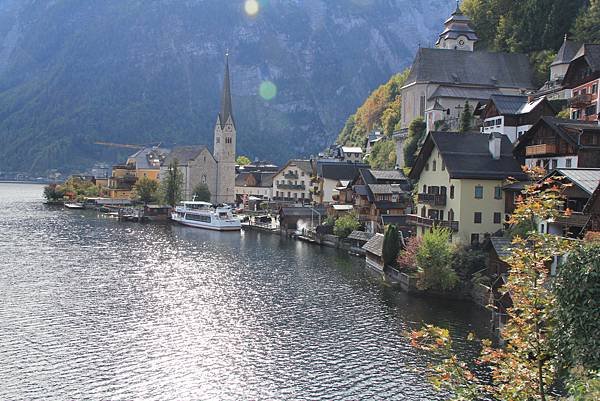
96,309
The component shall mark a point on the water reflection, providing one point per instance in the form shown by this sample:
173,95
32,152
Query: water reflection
93,308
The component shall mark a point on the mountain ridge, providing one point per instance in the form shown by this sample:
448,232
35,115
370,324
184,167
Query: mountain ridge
72,73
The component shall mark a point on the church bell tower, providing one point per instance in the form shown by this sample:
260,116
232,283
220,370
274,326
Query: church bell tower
224,145
457,34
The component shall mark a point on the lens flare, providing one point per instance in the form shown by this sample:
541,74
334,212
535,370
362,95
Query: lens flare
251,7
267,90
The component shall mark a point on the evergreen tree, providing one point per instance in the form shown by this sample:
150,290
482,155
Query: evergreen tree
201,193
391,245
172,184
587,24
416,131
466,118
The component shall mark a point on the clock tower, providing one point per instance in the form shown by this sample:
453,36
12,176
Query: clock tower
224,145
458,34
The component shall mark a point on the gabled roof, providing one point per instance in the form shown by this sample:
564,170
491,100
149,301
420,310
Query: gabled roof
396,175
385,189
185,154
149,158
585,178
590,53
458,92
589,206
468,156
566,52
374,245
496,70
336,170
502,247
264,179
360,236
569,130
304,165
515,104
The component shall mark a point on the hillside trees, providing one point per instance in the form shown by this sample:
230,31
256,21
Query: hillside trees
587,24
381,110
416,131
383,155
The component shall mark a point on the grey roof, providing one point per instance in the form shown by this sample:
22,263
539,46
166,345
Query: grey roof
464,93
379,189
396,175
457,25
566,52
184,154
338,170
508,104
501,246
496,70
149,158
585,178
264,179
569,130
374,245
467,156
360,236
226,109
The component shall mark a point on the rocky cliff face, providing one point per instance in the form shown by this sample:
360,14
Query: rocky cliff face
141,71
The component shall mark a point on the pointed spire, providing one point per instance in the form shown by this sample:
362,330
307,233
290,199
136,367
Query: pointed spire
458,11
226,111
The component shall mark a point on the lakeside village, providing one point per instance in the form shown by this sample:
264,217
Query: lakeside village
470,121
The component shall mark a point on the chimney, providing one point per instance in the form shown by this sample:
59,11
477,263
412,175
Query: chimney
495,145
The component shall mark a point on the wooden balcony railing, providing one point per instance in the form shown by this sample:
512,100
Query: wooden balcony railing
416,220
544,149
291,175
581,100
432,199
291,186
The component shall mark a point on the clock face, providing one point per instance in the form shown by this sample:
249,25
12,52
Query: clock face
461,42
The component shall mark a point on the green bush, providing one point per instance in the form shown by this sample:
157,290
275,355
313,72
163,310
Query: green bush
433,261
345,225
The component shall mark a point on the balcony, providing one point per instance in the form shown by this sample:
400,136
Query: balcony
537,150
432,199
292,186
581,100
413,219
575,219
290,175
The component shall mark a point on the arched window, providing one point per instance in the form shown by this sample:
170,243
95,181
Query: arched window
204,179
451,215
451,191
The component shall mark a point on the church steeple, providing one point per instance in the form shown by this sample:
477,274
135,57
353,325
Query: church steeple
458,33
226,111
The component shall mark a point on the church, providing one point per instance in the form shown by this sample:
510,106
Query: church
217,169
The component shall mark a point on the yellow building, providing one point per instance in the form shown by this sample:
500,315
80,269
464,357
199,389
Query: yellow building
459,179
144,163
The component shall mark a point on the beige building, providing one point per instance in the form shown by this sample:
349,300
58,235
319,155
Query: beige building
292,183
442,79
459,183
217,169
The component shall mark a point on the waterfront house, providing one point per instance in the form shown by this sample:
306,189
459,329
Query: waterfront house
357,240
257,184
583,182
296,219
442,79
374,252
145,163
379,193
555,143
583,78
513,115
333,176
459,179
292,183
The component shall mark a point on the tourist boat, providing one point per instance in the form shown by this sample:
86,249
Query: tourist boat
74,205
204,215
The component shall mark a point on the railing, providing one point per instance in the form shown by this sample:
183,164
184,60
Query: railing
581,100
543,149
427,222
432,199
291,175
575,219
291,186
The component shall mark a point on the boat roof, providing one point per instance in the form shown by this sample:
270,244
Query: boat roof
197,203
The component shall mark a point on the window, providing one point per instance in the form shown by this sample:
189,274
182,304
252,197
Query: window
474,239
477,217
584,91
441,215
590,111
434,166
497,217
218,140
451,215
594,88
451,191
426,166
497,192
499,121
422,106
424,189
554,163
443,166
568,163
478,192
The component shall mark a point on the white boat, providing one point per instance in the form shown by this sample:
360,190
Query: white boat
205,215
75,205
